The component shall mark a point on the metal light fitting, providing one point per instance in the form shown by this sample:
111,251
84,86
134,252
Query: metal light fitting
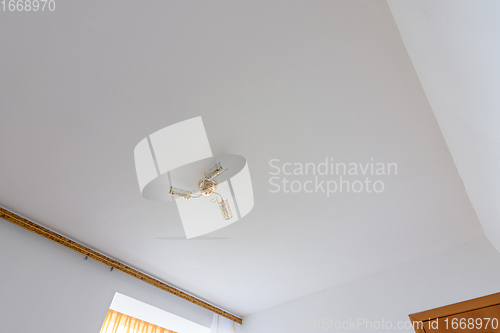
207,187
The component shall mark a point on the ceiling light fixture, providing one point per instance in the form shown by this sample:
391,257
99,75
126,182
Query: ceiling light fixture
207,187
169,168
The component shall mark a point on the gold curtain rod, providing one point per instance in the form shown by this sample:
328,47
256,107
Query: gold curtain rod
88,252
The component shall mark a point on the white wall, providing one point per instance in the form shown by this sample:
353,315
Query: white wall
468,271
45,287
455,46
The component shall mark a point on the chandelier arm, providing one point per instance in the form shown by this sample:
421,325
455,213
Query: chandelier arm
215,199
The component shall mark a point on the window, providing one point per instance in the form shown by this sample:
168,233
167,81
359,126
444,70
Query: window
128,315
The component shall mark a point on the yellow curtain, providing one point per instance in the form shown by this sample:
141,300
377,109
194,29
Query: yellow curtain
117,322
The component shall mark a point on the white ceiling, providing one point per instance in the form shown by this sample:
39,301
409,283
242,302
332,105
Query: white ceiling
296,81
455,48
